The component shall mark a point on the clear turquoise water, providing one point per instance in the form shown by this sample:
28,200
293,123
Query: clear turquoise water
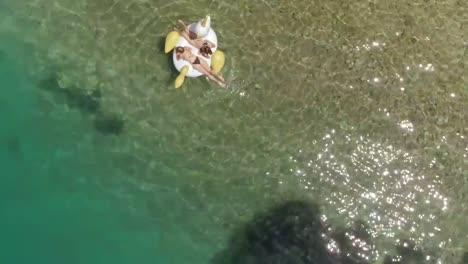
47,215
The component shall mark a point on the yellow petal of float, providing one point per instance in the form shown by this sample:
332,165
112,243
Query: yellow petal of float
217,61
180,79
171,40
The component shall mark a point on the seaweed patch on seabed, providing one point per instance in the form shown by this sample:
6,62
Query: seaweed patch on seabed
2,55
87,103
465,258
13,147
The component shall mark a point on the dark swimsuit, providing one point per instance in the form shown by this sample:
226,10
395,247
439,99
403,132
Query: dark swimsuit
196,61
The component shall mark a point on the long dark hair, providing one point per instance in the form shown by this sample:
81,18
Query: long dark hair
180,50
205,49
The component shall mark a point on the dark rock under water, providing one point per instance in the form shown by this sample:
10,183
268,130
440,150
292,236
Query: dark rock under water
293,233
289,233
109,124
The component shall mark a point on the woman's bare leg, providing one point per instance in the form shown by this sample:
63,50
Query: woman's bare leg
201,69
220,76
208,69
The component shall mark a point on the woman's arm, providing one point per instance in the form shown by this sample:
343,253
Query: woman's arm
186,37
186,28
183,24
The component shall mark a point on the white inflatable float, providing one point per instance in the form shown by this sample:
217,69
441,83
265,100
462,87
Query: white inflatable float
203,31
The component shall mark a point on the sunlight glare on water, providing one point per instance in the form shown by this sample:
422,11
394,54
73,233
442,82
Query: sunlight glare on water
384,185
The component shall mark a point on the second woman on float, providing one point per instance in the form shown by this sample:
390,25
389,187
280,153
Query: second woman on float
199,64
